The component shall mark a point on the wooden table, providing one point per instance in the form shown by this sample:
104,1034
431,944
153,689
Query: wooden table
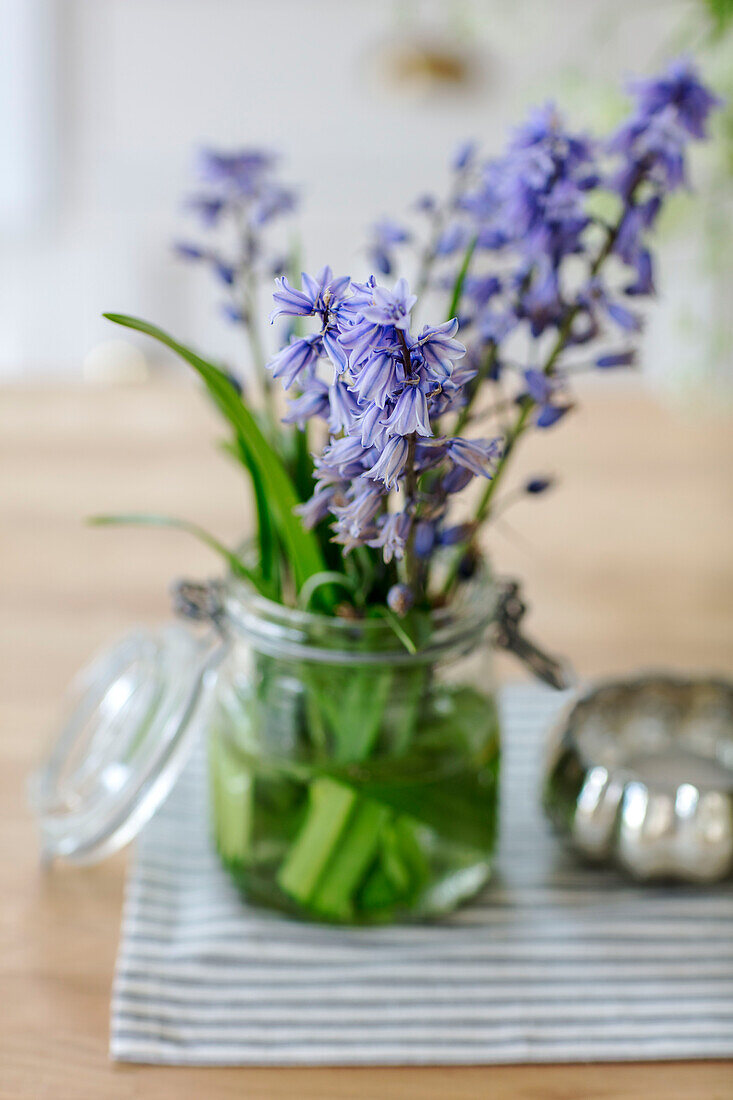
631,563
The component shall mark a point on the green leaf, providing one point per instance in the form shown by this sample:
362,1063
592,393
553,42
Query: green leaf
266,538
142,519
317,580
300,544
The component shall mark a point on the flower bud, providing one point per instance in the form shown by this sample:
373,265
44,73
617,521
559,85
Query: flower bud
400,599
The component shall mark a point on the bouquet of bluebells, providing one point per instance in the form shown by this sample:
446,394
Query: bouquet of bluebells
398,399
539,256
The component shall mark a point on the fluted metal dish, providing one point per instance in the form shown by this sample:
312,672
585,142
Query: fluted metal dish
641,773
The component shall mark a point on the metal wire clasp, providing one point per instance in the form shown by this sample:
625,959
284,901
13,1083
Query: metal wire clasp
509,613
200,601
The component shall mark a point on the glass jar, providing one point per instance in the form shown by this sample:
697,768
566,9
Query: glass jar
355,780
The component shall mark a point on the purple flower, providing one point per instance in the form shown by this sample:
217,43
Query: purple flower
291,302
354,518
209,208
424,538
540,386
456,480
300,354
550,414
458,533
313,401
681,89
240,170
379,378
390,307
362,340
315,510
188,251
410,413
452,238
616,359
439,349
391,462
371,427
224,272
537,485
392,535
464,156
479,456
643,284
335,349
345,458
385,236
344,407
274,201
481,288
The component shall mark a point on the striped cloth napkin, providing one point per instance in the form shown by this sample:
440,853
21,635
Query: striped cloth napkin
554,962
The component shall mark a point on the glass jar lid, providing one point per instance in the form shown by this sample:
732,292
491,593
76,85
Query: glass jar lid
132,723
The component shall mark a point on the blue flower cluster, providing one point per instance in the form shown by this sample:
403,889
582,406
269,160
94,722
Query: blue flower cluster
539,277
241,194
383,401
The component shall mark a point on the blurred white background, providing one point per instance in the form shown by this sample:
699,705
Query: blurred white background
102,103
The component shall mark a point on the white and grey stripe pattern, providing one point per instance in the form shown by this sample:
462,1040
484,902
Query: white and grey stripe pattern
555,962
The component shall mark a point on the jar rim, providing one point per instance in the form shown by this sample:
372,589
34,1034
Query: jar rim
282,630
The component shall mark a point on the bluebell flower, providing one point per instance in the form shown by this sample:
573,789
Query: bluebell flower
410,413
302,353
370,423
362,340
643,284
681,89
426,204
549,415
425,538
456,480
542,389
354,518
290,301
478,456
537,485
390,464
209,208
392,535
319,506
345,458
312,402
224,272
385,236
616,359
539,386
390,307
481,288
344,407
464,156
379,378
455,535
439,349
273,202
240,169
190,251
452,238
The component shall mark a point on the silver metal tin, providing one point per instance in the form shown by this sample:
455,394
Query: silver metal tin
641,773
